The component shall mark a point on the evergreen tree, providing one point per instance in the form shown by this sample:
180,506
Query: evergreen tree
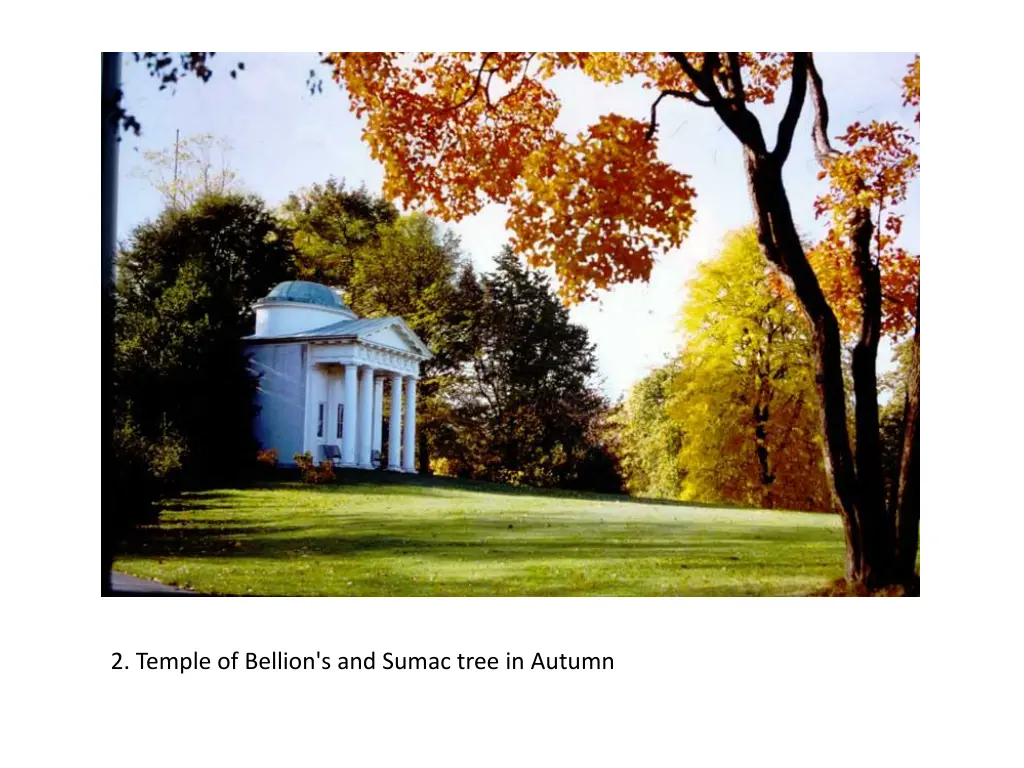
530,412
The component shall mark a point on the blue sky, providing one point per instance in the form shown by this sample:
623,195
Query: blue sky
283,139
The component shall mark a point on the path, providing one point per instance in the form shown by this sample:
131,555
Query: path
124,585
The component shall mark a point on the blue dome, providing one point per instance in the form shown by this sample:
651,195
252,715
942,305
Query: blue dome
303,292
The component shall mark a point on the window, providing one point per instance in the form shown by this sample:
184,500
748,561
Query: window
341,414
320,420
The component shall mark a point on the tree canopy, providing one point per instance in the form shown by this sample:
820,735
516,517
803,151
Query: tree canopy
333,228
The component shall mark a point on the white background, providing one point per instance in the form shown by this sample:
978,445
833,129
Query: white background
934,681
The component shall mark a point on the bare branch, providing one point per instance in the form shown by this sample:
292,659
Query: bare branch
487,88
526,66
736,82
822,147
476,86
787,126
696,76
691,97
733,112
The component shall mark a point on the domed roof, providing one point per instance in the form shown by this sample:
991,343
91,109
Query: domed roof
304,292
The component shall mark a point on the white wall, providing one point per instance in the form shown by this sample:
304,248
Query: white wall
283,318
280,397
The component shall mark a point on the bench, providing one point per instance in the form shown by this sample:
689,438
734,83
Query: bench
332,453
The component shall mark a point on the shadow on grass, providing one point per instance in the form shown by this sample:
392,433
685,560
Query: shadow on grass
486,539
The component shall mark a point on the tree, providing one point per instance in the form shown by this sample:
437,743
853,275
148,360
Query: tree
185,285
194,167
332,228
529,412
744,393
454,131
650,440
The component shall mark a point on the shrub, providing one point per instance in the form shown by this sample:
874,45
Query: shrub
268,458
326,472
144,472
313,472
443,466
304,461
266,463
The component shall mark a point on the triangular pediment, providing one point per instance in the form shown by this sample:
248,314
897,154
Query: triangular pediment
393,333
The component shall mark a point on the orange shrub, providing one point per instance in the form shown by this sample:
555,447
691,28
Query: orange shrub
268,457
311,471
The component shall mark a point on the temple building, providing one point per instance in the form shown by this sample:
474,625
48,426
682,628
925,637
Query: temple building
322,372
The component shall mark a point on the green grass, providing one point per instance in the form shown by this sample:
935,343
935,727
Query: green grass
436,538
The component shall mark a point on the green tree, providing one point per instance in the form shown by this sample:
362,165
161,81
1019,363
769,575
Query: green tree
650,440
744,395
333,227
529,411
185,285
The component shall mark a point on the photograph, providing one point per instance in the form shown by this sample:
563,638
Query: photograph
511,324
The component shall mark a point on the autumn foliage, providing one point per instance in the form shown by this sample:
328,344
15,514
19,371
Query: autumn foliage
873,172
455,131
312,472
743,394
458,130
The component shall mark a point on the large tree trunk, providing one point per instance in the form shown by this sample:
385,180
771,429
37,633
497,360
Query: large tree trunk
877,528
781,243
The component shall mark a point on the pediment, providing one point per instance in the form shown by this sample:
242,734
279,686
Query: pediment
395,335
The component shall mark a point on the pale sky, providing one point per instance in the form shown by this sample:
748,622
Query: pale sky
284,139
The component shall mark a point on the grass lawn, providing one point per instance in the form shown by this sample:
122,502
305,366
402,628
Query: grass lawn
407,537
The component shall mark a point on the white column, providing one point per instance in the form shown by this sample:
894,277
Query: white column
409,447
350,418
378,412
395,424
365,434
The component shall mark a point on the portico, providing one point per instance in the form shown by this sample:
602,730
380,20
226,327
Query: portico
323,373
341,375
